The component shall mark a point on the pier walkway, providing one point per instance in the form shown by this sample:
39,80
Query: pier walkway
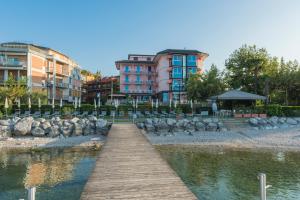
129,167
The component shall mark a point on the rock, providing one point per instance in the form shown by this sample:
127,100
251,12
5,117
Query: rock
92,118
41,120
101,123
35,124
23,126
162,126
149,128
282,120
148,121
154,121
196,119
38,132
262,122
224,129
5,122
273,120
212,126
66,131
199,126
140,125
284,125
291,121
207,120
88,131
77,129
215,120
53,131
15,119
5,131
190,127
297,119
74,120
253,121
171,122
45,125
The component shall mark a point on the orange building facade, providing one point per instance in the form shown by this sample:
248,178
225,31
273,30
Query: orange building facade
45,70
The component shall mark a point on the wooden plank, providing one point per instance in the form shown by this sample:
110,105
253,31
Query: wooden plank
129,167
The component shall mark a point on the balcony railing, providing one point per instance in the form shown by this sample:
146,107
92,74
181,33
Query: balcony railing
139,91
12,63
61,85
142,72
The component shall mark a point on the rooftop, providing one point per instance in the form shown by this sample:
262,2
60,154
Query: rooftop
180,51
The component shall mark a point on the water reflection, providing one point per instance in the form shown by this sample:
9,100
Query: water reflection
51,171
233,174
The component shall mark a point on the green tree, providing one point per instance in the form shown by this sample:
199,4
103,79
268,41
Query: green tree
13,89
245,68
210,83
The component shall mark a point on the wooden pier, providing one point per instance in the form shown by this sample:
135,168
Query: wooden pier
129,167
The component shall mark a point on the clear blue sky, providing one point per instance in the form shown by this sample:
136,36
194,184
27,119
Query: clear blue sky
95,33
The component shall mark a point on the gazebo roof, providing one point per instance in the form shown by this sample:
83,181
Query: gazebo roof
237,95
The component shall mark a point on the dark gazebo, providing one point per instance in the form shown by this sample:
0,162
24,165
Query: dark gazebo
234,98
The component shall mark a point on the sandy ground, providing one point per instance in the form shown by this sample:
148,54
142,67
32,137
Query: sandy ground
38,142
276,139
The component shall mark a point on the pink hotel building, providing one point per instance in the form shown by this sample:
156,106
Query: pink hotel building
162,76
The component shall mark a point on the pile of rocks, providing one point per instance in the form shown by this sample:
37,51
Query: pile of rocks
54,127
273,122
162,125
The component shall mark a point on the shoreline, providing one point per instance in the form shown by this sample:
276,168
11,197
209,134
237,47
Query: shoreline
283,139
36,143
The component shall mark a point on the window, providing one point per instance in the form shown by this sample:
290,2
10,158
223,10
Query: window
176,85
138,88
126,88
148,58
138,78
127,69
126,79
192,70
138,68
149,69
177,60
191,60
177,72
135,58
165,97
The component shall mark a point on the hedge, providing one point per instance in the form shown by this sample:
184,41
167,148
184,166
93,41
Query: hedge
278,110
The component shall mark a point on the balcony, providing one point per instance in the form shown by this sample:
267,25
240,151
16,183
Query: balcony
138,82
59,73
60,85
141,72
12,64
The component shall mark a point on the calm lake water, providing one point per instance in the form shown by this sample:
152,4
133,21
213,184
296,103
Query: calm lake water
56,173
233,174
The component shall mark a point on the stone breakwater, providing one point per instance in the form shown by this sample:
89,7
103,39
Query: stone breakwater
54,127
170,125
273,122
